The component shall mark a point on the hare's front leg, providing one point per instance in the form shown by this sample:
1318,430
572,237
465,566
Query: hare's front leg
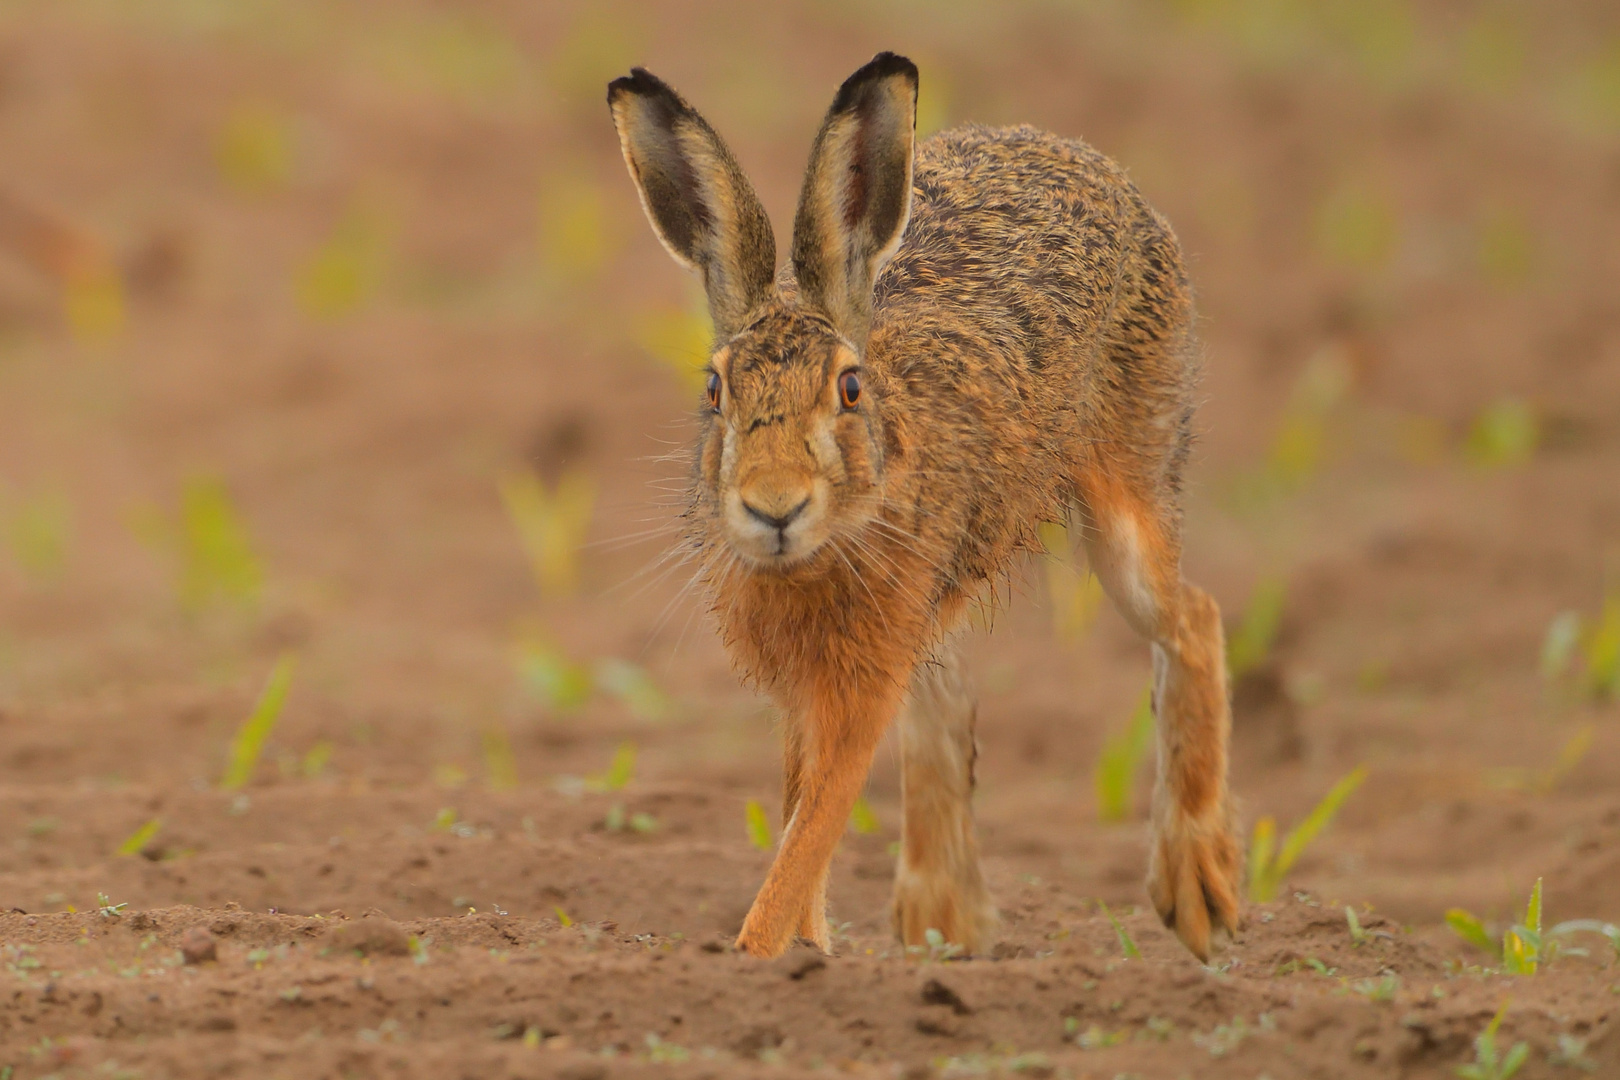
1135,550
938,884
813,920
840,738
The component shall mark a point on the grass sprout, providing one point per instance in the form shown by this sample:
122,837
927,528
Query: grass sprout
632,685
1126,945
254,148
1250,644
1524,947
217,561
620,771
861,817
1270,863
1076,593
108,909
552,524
559,682
255,730
758,825
315,760
680,339
36,530
1542,781
1504,434
140,837
1358,936
499,761
1114,778
1489,1063
343,273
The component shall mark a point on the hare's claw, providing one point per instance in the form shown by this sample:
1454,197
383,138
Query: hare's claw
1193,878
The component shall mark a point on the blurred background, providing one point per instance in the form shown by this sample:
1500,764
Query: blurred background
340,375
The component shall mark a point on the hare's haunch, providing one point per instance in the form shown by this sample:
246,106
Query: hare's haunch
973,336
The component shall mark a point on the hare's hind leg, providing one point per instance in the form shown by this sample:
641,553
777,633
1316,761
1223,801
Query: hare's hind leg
1133,542
938,884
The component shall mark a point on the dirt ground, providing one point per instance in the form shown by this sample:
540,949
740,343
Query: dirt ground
373,258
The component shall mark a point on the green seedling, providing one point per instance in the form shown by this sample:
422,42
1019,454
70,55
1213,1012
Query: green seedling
620,771
552,524
255,730
562,917
634,687
618,821
1542,781
458,56
1114,778
254,148
1504,434
1076,593
108,909
1250,644
660,1052
1383,989
140,838
680,339
938,949
1270,864
1523,948
1489,1063
343,273
1126,945
574,230
315,760
1570,1053
861,818
217,562
553,678
1602,651
1609,931
499,761
758,825
1559,645
1358,936
36,531
1357,228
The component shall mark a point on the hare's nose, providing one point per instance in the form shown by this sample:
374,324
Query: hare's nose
776,520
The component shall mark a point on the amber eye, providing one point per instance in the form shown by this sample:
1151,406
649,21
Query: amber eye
849,388
712,387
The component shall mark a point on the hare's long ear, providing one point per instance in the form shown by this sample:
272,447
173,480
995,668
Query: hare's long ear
700,204
857,192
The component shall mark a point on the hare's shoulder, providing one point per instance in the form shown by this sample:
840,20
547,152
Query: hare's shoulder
1009,215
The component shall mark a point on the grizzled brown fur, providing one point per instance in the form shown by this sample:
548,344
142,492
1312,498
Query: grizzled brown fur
973,336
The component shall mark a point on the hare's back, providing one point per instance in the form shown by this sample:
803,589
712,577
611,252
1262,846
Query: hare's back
1020,232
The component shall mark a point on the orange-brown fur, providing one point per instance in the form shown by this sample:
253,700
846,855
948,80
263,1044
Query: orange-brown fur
1024,351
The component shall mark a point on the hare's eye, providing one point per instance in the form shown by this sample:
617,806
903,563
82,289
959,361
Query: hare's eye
713,389
849,389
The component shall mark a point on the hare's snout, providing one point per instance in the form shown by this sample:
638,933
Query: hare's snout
776,519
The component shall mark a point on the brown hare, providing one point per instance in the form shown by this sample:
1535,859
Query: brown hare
973,336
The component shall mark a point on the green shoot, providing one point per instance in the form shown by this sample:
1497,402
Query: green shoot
562,917
254,150
109,910
1357,228
1358,936
1593,926
939,950
551,524
1127,946
1488,1064
499,760
1114,778
1545,780
445,819
255,730
316,758
1251,642
1266,872
344,272
758,825
634,687
36,530
1524,947
140,837
1076,593
620,771
574,234
557,681
681,340
217,561
861,818
1603,651
1504,434
1471,929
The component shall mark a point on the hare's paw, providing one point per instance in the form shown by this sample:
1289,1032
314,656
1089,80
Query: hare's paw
1193,877
960,911
813,928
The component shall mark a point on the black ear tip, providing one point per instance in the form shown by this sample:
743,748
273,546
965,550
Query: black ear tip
885,65
641,82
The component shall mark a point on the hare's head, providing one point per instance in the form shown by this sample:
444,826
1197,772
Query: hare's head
792,452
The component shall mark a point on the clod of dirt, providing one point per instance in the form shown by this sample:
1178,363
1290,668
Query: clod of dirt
935,992
806,966
370,936
198,946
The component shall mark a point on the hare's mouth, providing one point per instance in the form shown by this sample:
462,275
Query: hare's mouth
775,532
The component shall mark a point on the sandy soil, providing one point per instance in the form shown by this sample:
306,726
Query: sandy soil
1402,200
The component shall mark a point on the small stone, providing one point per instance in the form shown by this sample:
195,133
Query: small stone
198,946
